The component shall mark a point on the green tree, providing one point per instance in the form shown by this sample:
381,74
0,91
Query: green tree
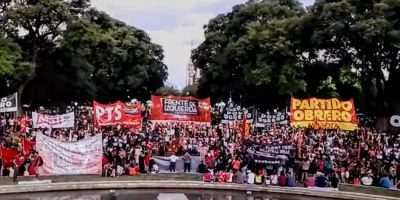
250,53
79,53
362,36
13,69
190,90
168,90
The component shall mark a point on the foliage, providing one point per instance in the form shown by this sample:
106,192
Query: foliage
190,90
264,51
168,90
78,53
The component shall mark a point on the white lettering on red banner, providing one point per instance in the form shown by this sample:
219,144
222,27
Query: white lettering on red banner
118,113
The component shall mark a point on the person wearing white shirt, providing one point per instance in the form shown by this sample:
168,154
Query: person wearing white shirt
250,177
367,180
172,160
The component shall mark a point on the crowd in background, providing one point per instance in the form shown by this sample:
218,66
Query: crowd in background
322,158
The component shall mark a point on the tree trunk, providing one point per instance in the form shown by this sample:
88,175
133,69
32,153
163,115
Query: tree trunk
22,87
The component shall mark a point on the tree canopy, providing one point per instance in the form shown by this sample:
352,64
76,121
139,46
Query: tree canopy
264,51
60,51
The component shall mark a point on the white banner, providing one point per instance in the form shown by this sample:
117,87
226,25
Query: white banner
53,121
64,158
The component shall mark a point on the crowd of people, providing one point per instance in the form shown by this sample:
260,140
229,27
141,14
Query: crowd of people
322,158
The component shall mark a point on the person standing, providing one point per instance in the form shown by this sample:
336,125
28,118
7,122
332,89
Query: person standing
172,164
187,159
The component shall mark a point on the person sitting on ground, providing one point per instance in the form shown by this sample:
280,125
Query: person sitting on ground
320,181
133,170
385,182
282,180
398,185
221,176
228,176
201,168
334,180
274,179
290,180
259,179
208,177
268,180
310,181
250,177
367,180
239,177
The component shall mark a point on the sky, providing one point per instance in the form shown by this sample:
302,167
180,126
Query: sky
173,24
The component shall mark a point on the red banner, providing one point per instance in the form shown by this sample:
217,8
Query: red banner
7,155
118,113
180,109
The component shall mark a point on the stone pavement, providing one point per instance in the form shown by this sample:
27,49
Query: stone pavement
182,185
183,181
80,178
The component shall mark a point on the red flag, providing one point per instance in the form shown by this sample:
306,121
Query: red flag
245,128
28,145
24,124
8,154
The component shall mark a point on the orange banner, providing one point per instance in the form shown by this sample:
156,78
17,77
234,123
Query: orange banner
323,113
180,109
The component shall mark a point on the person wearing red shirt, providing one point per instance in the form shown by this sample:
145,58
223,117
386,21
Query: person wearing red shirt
221,176
282,180
207,177
208,160
236,165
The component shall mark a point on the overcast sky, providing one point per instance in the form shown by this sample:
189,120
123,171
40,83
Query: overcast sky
172,24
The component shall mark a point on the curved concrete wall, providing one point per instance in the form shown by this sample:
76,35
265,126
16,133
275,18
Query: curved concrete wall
57,187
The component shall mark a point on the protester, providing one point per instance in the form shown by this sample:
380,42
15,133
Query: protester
385,182
320,180
310,181
290,180
172,160
282,181
250,177
187,160
353,155
334,180
367,180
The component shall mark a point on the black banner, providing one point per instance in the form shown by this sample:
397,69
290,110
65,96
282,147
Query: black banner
274,118
272,154
277,150
180,106
235,113
9,103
